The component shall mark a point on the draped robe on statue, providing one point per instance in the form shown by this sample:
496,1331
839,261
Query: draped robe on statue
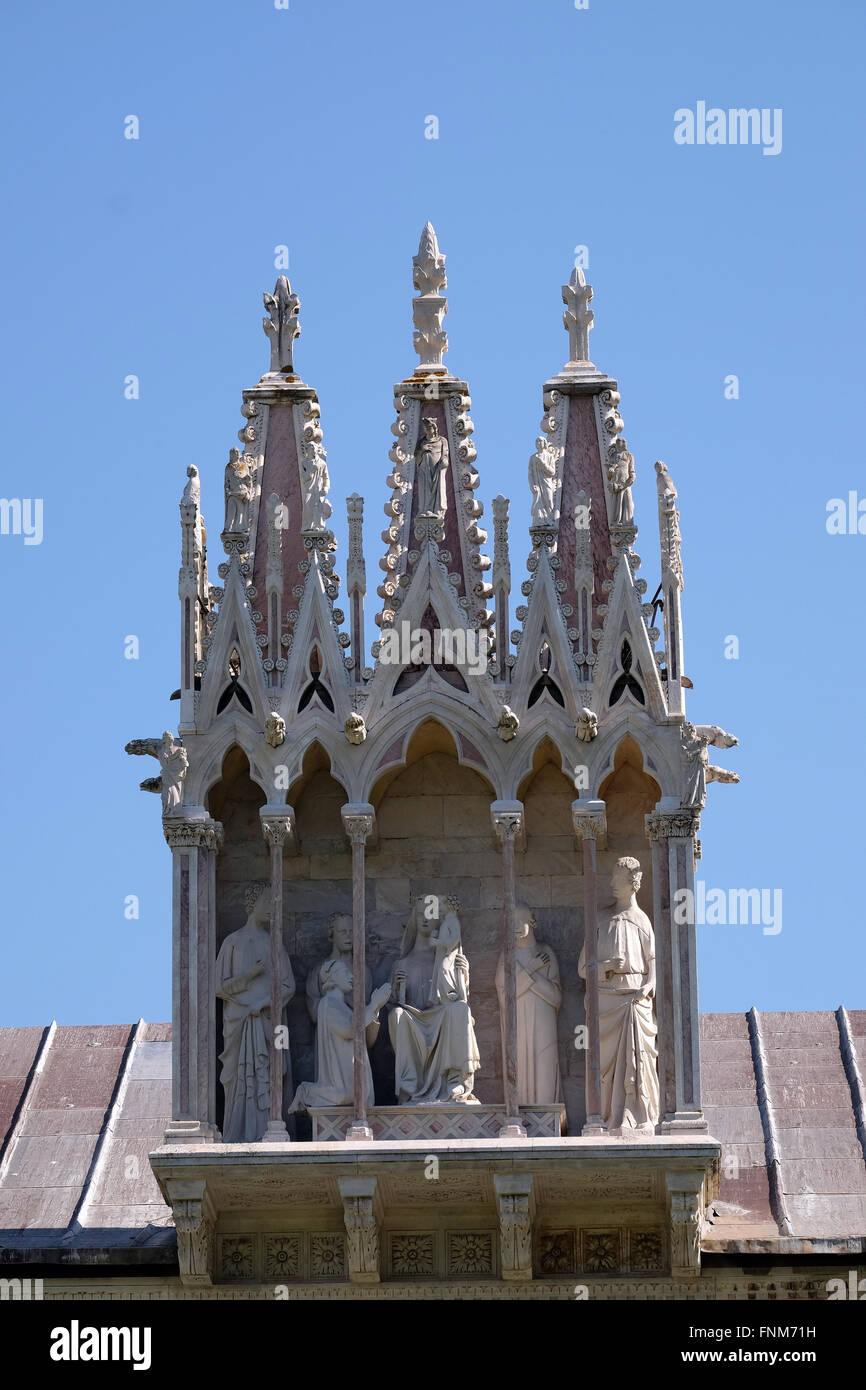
335,1057
626,1021
432,459
432,1032
245,1058
539,996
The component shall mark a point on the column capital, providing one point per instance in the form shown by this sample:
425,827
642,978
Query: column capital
509,822
278,824
183,833
682,824
589,818
359,821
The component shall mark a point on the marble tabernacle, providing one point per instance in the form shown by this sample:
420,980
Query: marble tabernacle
435,1012
391,881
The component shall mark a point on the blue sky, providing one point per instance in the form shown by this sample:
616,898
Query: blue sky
261,127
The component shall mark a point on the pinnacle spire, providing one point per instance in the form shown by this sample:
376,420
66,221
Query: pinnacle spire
282,326
578,318
429,307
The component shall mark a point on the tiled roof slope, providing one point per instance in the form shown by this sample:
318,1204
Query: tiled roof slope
82,1107
783,1092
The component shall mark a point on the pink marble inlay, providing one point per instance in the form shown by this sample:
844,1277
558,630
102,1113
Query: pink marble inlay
280,475
582,470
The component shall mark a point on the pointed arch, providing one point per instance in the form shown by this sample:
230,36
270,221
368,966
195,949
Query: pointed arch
428,736
547,792
630,792
234,679
615,678
429,591
318,795
234,768
544,631
241,735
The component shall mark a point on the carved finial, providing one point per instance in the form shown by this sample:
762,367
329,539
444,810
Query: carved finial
356,573
578,317
282,326
669,523
429,308
501,565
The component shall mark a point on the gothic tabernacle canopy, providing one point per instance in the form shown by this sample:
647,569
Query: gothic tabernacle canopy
435,1021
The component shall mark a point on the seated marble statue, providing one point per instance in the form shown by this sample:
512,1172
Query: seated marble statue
539,996
626,1015
431,1028
335,1055
244,985
340,937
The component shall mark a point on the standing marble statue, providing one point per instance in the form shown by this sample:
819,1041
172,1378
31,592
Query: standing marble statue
431,460
621,477
174,764
626,1017
431,1028
243,984
335,1031
543,483
697,768
239,493
315,485
340,936
539,996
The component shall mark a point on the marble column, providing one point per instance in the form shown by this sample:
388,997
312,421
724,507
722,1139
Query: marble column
508,823
359,819
278,824
672,835
194,841
590,826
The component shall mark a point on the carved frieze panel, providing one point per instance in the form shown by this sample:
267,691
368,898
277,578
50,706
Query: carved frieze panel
469,1253
556,1187
556,1253
463,1190
258,1258
282,1257
237,1258
413,1254
600,1251
646,1251
328,1256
